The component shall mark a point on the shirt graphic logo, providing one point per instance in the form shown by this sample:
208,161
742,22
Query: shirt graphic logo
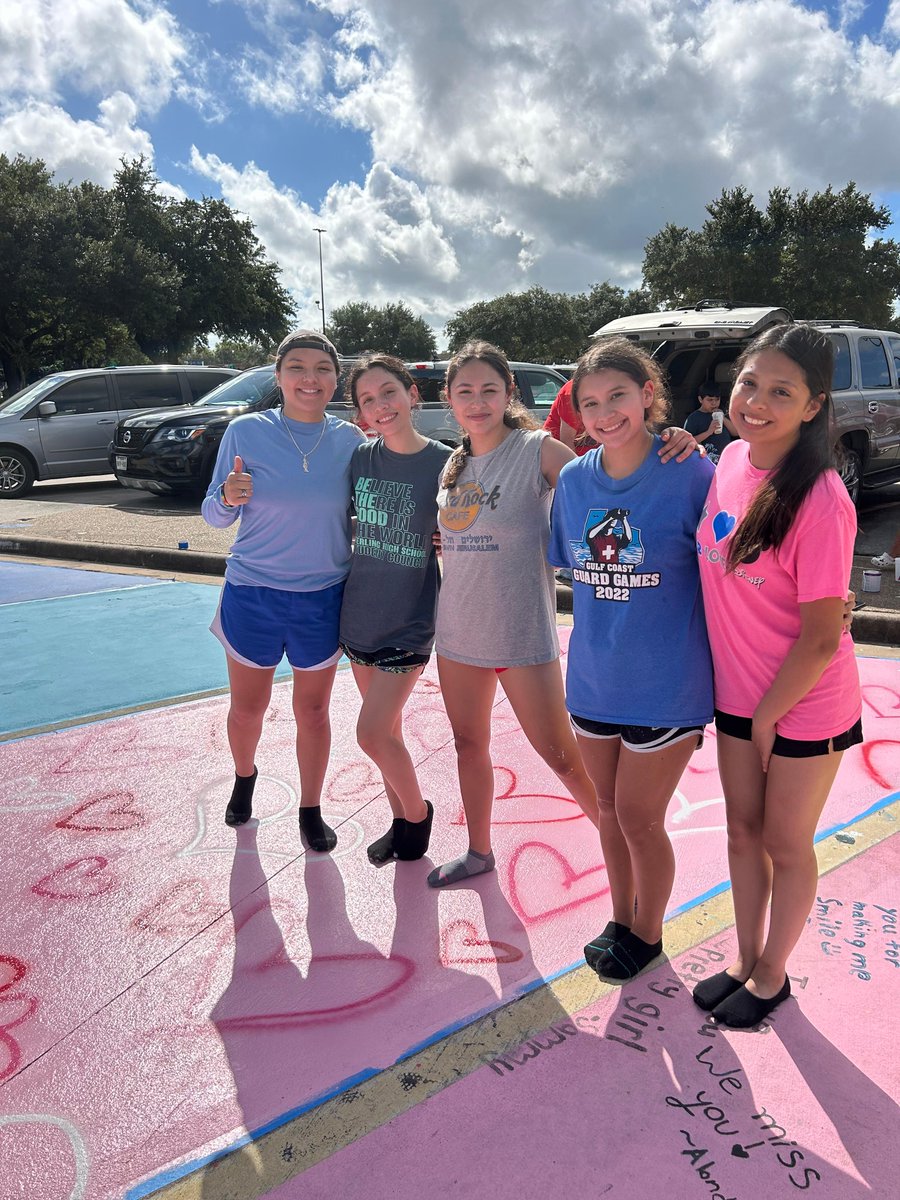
608,554
464,504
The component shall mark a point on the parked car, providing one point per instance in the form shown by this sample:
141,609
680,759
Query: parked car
176,451
701,344
61,425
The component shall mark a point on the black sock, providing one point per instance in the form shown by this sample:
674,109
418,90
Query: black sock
320,836
604,942
628,957
382,850
415,837
240,806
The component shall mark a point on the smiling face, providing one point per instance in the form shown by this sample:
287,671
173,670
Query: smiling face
384,403
770,402
478,397
613,407
307,378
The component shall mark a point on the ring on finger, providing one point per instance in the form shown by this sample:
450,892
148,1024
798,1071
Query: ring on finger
243,491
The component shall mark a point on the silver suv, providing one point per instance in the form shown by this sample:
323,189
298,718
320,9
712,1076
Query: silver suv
699,345
62,425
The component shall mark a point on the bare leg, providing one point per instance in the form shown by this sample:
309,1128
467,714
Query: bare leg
311,697
601,759
537,698
796,791
379,732
251,688
468,694
644,787
744,785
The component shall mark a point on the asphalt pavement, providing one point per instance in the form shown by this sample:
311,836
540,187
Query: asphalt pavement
98,521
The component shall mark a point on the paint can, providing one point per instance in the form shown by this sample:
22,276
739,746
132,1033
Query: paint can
185,546
871,581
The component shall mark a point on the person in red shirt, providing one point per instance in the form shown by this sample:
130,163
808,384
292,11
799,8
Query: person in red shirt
564,423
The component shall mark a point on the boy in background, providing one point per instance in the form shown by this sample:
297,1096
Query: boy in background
708,423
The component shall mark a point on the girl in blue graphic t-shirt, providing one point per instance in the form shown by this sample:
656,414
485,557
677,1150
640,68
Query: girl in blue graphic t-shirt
638,704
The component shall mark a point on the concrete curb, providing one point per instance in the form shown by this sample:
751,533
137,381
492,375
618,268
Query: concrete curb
159,558
878,626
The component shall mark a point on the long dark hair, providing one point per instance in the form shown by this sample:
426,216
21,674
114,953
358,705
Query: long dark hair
515,416
368,362
775,505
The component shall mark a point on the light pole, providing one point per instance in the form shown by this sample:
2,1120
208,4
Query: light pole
319,231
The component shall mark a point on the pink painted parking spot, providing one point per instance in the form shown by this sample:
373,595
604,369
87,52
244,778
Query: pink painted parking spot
640,1095
181,979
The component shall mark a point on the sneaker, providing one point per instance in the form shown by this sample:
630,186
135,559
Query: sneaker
884,561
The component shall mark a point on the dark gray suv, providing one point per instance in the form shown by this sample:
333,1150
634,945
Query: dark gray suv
62,425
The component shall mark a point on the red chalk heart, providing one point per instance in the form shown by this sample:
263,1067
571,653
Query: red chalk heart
79,880
541,873
109,813
184,909
461,945
537,808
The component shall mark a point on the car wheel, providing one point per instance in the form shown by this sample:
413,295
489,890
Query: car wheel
16,474
851,473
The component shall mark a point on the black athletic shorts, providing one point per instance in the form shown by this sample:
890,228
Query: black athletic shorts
741,727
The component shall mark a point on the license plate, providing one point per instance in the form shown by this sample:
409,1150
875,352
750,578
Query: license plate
121,462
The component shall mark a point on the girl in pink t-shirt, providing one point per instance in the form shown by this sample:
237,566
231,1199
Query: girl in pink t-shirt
776,547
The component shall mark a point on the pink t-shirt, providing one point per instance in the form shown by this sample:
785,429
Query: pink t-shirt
753,613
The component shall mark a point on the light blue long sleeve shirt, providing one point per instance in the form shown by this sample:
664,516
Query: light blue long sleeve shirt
295,530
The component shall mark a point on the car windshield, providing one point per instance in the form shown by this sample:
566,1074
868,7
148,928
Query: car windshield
243,389
24,399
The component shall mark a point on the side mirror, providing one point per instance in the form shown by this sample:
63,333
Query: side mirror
46,408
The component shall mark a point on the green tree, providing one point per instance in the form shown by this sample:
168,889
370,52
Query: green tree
531,325
91,274
543,326
357,327
812,254
233,352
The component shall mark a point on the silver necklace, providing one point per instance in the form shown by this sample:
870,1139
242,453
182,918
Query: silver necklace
304,454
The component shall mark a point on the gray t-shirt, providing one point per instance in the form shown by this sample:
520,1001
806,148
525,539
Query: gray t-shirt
498,598
391,591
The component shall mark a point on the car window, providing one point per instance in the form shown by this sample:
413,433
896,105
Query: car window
155,389
27,396
201,382
544,387
842,366
89,395
241,389
429,386
895,350
873,363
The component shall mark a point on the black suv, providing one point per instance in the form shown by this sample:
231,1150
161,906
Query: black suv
175,451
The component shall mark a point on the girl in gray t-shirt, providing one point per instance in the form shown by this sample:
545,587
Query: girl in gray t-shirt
497,612
388,612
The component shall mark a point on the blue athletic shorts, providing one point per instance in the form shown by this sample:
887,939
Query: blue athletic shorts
259,625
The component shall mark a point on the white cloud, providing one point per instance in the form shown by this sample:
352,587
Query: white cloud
96,46
77,150
892,19
383,239
286,84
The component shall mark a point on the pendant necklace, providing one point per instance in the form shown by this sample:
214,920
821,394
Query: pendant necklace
304,454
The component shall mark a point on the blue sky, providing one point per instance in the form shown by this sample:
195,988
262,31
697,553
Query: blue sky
455,150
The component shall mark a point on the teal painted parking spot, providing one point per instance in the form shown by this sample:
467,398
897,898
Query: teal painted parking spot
80,656
34,581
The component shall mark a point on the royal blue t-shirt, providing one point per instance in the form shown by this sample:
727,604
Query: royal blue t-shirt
638,654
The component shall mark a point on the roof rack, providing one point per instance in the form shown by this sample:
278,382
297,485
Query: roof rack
702,305
829,322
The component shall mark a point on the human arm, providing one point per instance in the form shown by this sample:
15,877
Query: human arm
554,456
821,626
214,509
552,422
567,434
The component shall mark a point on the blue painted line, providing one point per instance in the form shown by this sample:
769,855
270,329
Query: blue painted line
180,1172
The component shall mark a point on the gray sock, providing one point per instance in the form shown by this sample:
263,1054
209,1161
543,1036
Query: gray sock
468,864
